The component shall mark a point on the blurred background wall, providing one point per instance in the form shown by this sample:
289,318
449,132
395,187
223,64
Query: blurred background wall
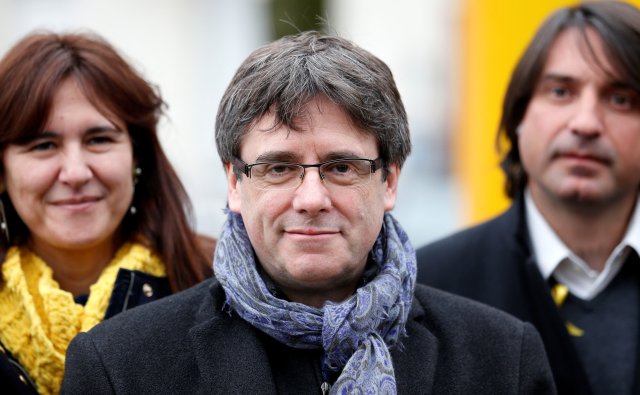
451,60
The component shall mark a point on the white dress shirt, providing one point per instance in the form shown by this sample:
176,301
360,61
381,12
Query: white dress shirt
555,259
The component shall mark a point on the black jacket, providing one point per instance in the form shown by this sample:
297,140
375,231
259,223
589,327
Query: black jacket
131,288
187,344
493,264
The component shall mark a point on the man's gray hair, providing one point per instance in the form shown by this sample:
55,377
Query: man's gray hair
283,76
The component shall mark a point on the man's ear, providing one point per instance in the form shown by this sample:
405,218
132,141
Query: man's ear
391,188
234,198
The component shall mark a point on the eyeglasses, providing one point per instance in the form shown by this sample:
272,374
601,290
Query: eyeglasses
287,175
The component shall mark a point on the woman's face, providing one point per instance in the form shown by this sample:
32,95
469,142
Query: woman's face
73,184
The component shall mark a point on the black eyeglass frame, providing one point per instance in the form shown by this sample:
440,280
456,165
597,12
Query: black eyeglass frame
240,166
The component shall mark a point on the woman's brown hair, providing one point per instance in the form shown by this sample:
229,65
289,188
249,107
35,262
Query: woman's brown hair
30,74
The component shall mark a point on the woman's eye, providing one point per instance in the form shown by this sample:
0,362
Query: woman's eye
100,140
43,146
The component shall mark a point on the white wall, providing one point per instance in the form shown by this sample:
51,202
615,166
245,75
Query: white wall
191,48
416,38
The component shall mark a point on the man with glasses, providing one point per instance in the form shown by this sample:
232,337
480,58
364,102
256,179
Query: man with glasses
315,280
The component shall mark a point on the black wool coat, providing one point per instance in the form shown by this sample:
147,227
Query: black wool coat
187,344
493,263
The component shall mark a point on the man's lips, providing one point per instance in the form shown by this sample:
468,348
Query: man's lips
583,156
311,232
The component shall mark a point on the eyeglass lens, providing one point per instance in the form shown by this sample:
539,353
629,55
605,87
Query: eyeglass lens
348,172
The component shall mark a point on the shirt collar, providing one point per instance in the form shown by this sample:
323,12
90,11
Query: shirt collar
548,249
632,237
555,259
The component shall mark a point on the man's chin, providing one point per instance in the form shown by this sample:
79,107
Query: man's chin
581,191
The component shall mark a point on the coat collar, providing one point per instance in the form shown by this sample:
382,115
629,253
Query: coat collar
238,363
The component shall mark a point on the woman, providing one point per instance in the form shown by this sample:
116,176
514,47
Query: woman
93,218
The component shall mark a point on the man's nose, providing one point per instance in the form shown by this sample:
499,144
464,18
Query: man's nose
312,195
587,119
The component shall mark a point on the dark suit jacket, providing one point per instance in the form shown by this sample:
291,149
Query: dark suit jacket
186,343
493,264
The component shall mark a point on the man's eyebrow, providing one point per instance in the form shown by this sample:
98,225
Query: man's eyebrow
562,78
287,156
554,77
344,154
621,85
277,156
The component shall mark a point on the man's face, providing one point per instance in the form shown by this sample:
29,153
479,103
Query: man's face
312,240
580,136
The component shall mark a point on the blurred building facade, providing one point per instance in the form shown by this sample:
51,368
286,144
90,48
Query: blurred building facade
191,49
451,61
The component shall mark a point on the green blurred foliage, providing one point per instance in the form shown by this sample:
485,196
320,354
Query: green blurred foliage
293,16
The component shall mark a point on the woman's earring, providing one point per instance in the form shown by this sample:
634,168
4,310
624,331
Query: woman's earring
4,225
137,172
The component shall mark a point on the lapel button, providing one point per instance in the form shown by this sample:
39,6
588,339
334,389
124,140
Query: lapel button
147,290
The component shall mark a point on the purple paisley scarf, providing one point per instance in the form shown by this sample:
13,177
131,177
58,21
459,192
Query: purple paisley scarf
356,334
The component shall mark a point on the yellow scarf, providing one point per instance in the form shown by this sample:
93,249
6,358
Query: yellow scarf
38,319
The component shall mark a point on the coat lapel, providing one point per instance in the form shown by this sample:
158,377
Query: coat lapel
569,374
416,359
229,355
